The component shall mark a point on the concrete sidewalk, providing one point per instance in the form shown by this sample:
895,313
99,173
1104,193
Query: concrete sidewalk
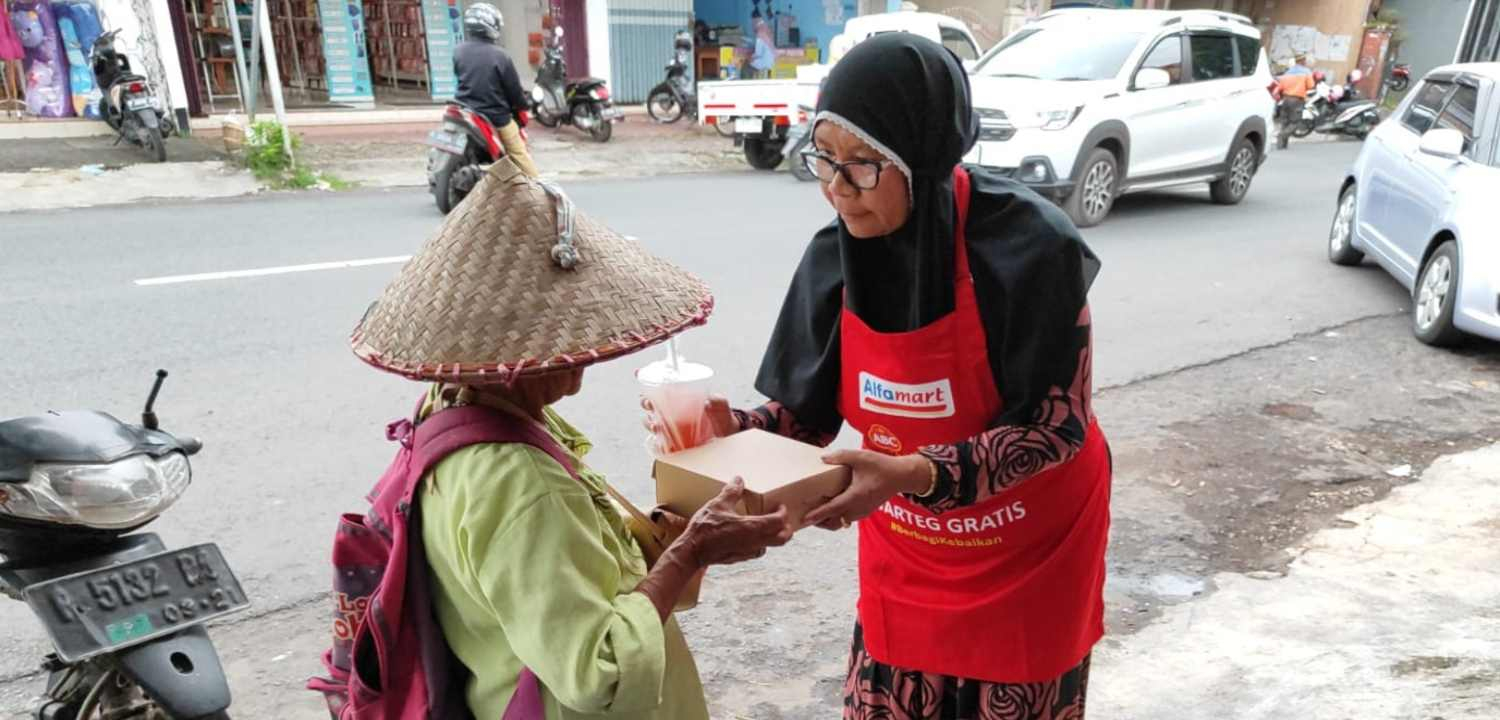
1393,614
82,172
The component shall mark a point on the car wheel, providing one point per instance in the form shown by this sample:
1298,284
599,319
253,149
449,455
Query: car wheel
763,154
1341,233
1437,293
1231,189
1094,192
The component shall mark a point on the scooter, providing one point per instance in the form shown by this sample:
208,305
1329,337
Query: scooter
676,96
583,102
1353,115
798,140
459,154
125,613
129,104
1400,77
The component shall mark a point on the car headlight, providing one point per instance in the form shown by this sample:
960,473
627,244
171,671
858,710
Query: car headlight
109,496
1049,119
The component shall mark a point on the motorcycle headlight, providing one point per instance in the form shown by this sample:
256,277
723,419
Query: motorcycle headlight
536,93
1048,119
109,496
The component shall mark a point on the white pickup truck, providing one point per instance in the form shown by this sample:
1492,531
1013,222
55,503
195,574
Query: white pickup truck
762,112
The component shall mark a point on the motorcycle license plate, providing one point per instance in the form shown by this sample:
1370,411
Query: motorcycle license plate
139,103
748,126
447,141
100,611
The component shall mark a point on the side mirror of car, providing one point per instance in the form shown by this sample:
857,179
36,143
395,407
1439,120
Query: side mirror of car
1445,143
1152,79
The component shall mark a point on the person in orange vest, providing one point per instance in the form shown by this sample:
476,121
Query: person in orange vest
1295,87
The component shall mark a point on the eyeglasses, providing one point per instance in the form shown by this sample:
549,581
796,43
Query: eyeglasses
862,174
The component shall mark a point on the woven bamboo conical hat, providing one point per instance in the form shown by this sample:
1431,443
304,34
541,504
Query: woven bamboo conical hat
517,283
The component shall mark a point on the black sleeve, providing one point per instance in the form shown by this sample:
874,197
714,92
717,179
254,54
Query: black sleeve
801,368
510,84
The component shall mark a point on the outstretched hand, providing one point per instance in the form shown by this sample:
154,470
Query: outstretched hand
877,478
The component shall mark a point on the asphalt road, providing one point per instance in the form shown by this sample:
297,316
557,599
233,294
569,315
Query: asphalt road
294,424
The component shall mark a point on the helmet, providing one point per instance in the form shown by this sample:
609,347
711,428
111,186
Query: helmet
684,40
1318,76
483,21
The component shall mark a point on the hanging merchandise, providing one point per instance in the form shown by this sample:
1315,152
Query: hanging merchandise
348,67
46,66
444,27
397,46
10,45
78,24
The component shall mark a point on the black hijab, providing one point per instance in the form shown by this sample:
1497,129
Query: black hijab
908,97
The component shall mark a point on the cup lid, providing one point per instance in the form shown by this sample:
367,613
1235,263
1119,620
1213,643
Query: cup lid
663,372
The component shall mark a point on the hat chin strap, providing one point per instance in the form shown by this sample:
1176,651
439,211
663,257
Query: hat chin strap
564,253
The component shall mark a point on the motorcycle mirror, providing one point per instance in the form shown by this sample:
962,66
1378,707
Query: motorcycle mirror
148,416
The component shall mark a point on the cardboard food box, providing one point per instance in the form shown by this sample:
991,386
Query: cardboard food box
777,471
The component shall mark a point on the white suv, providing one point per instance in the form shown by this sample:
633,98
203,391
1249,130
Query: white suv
1083,105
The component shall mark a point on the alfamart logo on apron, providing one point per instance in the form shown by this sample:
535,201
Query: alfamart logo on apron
925,402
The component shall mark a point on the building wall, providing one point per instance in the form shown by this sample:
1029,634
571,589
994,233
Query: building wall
597,12
1330,17
1432,29
640,42
985,18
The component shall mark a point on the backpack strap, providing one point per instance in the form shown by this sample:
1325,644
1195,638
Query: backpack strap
452,429
447,431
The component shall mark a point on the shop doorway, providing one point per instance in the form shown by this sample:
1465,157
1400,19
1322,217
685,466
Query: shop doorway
330,53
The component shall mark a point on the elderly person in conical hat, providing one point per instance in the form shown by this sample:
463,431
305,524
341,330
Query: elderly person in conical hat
532,566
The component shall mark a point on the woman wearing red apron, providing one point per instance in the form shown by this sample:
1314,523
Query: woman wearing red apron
944,316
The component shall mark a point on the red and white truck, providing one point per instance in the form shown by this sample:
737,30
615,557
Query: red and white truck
760,113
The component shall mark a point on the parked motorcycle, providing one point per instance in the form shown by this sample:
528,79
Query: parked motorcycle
676,96
798,141
1400,77
130,105
459,154
1353,115
583,102
124,613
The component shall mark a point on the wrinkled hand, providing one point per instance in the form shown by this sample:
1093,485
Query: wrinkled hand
674,524
719,535
877,478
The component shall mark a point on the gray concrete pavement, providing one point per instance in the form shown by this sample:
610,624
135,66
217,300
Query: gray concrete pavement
294,424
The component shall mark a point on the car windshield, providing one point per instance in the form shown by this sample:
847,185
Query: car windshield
1060,54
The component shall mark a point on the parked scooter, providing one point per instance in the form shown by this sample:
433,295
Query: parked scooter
1400,77
798,141
124,613
583,102
129,104
1353,115
459,154
676,96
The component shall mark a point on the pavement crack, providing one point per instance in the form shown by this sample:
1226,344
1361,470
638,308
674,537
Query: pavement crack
1243,353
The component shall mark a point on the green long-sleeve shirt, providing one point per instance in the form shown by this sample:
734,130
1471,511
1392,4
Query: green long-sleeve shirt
535,569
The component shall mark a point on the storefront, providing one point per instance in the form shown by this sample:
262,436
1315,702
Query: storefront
44,55
798,32
364,53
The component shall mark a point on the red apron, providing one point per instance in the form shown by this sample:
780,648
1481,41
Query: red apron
1008,590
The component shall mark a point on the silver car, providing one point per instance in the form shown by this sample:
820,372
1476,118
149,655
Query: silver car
1423,198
